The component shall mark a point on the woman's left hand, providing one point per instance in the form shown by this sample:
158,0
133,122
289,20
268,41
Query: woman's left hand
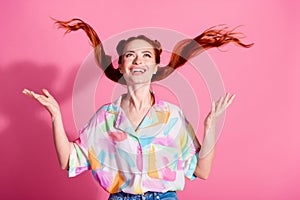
217,109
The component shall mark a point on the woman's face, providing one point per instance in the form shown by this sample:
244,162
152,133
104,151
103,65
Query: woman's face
138,62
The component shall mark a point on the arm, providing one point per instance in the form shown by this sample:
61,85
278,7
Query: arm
62,145
207,152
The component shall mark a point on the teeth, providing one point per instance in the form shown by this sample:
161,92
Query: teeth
139,70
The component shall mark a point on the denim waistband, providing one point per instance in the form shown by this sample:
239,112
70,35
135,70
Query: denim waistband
170,195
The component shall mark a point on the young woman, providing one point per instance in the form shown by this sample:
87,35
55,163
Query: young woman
139,147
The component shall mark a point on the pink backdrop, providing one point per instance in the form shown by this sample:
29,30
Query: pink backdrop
257,156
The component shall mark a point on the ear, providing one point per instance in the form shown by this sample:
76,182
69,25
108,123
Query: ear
120,69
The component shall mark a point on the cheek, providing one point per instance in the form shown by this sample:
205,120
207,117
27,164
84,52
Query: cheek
124,67
127,61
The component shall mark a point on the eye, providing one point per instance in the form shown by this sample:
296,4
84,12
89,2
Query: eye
129,55
148,55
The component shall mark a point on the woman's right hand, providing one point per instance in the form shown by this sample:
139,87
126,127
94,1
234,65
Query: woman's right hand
46,100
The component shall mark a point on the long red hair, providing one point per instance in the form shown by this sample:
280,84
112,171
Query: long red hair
182,52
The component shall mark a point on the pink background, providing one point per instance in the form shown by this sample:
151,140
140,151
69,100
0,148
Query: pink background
257,157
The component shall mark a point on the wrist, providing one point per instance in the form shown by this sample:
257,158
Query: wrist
209,131
56,116
210,126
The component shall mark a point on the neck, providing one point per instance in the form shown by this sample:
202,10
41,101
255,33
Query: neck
138,97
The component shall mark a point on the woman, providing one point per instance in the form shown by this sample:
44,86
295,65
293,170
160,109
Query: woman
138,147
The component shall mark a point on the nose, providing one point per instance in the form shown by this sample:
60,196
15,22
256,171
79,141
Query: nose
137,60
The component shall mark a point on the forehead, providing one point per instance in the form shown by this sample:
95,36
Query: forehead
138,45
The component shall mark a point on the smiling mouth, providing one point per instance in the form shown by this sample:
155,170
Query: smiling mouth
138,71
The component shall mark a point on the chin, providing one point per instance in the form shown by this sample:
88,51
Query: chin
137,80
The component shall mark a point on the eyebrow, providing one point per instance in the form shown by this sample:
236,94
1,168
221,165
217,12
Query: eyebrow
142,51
147,52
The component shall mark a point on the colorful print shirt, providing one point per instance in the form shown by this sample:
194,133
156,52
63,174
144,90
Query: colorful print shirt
156,157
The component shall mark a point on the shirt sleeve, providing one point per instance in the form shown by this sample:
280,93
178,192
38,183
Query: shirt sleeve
79,159
190,148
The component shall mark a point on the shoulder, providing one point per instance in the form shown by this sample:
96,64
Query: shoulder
112,107
101,113
166,104
109,108
105,108
172,108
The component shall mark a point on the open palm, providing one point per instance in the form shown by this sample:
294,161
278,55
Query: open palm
217,109
46,100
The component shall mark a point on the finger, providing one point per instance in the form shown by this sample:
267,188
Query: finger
220,102
36,96
226,97
43,100
26,92
230,100
213,107
46,92
225,100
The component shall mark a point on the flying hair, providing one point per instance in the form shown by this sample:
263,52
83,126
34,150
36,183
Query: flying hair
184,50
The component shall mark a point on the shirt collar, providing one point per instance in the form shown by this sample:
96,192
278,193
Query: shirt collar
157,114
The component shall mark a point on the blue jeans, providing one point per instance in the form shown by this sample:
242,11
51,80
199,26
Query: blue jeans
171,195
